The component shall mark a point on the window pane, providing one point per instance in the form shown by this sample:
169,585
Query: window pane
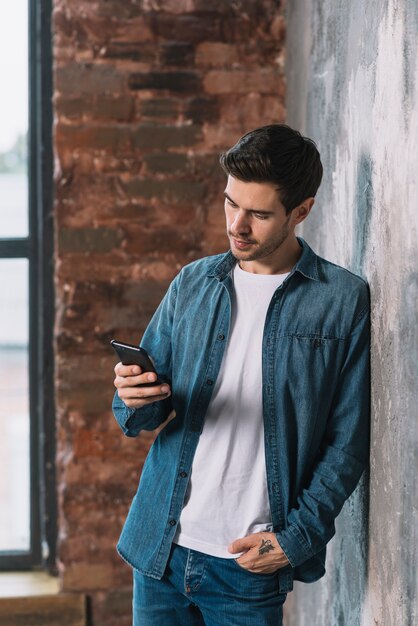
13,205
13,118
14,406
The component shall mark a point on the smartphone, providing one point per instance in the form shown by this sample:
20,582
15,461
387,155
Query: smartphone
135,355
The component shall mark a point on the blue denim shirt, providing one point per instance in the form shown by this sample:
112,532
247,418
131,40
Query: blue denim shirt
315,360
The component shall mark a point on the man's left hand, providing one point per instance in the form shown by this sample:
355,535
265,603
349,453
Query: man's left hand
263,554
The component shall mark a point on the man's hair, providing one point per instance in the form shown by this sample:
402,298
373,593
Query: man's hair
279,155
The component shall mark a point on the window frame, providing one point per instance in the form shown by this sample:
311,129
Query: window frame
37,247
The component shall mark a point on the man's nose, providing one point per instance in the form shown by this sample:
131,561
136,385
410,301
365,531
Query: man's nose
241,223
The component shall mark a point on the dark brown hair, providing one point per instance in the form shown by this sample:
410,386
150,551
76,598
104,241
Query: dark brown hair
280,155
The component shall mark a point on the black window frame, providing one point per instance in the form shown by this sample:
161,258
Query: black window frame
38,249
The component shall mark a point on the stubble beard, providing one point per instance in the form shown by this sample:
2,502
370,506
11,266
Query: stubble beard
265,249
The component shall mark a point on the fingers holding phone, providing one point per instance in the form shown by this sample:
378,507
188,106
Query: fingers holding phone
136,379
136,374
136,387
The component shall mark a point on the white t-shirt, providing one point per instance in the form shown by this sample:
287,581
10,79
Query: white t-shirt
227,495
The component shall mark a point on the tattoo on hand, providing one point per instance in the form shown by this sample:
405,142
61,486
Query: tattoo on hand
265,547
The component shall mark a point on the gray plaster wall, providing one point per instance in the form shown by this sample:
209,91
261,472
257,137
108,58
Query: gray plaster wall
353,87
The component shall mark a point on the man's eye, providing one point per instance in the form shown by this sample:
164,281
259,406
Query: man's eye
261,216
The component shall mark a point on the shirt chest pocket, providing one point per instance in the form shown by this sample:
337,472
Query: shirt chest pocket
314,341
311,357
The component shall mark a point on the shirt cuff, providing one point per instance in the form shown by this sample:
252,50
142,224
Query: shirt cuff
294,545
122,413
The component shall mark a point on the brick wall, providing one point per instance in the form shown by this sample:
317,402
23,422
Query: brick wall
146,96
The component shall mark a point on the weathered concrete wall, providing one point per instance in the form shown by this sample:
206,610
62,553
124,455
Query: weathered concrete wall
353,87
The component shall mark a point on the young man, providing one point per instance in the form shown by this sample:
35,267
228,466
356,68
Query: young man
265,354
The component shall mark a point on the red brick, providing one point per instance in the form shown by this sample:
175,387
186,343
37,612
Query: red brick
83,547
114,267
178,82
206,164
88,78
106,496
160,108
194,28
217,54
253,108
173,6
160,136
81,31
201,109
117,108
113,608
43,610
178,53
186,243
88,240
77,471
93,136
238,7
134,29
167,163
78,196
245,55
86,577
220,137
134,51
87,368
85,399
169,191
127,10
264,80
77,417
103,529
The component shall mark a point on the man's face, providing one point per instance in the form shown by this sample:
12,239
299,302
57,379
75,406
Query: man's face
256,220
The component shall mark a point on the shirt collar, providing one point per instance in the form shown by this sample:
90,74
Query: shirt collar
307,264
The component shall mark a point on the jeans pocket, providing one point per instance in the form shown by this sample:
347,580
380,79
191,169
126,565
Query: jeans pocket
257,574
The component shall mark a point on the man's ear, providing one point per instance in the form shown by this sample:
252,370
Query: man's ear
302,211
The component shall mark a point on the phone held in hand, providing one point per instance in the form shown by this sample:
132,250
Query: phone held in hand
130,354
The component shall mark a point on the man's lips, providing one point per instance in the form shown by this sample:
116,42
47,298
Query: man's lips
240,243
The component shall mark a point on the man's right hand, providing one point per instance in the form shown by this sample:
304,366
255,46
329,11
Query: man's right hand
128,377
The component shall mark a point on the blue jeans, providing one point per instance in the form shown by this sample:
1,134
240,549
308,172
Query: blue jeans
201,590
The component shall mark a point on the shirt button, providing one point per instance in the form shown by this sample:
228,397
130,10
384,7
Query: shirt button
221,337
183,474
209,381
172,522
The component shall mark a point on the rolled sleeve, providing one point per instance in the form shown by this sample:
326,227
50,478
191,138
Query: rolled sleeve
132,421
157,342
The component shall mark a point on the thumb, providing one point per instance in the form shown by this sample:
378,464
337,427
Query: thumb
240,545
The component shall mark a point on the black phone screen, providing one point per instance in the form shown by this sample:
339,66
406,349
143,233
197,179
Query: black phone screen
130,354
